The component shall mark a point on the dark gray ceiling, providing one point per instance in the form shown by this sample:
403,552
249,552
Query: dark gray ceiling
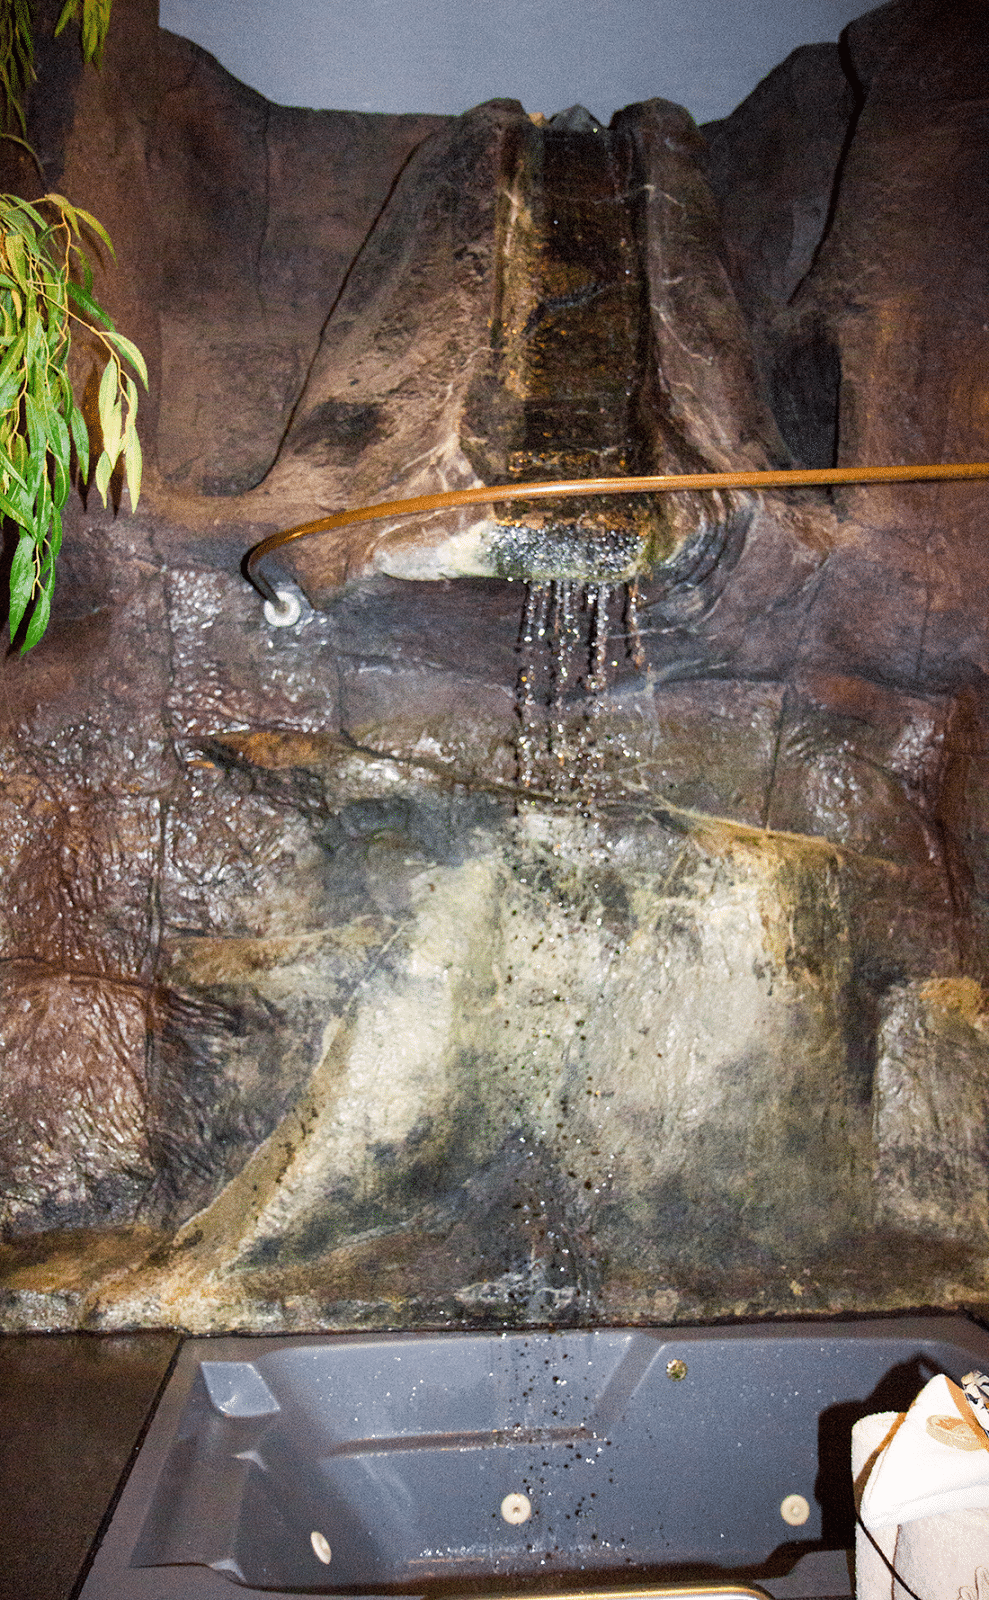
447,55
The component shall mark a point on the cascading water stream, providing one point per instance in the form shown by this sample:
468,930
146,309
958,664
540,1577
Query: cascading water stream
564,647
570,363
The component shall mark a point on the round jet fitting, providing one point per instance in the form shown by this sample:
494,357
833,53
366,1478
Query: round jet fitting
286,613
516,1508
321,1546
795,1510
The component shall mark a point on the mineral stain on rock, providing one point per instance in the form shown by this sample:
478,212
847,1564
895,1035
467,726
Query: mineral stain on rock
336,427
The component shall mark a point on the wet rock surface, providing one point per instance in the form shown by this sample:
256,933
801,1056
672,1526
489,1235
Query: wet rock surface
458,957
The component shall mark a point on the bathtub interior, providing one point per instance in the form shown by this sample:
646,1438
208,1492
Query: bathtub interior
421,1464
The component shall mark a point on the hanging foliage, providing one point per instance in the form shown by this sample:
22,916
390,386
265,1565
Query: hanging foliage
46,286
95,20
16,61
40,422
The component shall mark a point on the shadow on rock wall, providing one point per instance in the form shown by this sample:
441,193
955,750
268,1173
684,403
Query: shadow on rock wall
602,947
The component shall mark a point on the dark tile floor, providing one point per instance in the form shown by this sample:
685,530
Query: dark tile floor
72,1409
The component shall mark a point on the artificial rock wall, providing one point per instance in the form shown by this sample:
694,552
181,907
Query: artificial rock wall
457,958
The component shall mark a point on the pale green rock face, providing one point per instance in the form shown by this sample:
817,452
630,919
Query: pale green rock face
588,1071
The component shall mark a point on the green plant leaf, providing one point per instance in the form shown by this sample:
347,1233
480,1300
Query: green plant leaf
96,227
114,432
11,469
133,465
59,442
107,405
15,514
66,207
13,248
39,617
49,557
83,298
55,539
37,433
68,12
95,21
43,509
21,216
60,450
80,438
13,359
132,353
16,59
23,576
34,330
61,484
102,475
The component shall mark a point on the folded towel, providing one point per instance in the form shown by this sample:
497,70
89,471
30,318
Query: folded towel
935,1459
873,1579
922,1491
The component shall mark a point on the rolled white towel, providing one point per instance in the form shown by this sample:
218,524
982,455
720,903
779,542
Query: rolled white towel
873,1579
942,1558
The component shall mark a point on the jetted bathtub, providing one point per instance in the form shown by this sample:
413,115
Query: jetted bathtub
501,1463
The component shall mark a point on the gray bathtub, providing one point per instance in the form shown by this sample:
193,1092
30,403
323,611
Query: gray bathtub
517,1462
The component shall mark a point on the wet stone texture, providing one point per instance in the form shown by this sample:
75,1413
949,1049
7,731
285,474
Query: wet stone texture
574,917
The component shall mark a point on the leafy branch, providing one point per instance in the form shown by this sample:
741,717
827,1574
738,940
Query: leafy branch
95,22
17,49
40,421
46,285
16,61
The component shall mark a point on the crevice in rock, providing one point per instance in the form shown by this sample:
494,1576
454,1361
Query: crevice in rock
805,392
858,105
292,416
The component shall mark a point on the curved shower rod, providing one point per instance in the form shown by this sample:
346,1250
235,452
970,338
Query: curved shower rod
789,478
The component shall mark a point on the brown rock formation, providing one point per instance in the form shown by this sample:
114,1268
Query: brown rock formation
314,1012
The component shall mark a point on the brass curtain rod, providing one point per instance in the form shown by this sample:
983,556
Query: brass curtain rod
665,483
